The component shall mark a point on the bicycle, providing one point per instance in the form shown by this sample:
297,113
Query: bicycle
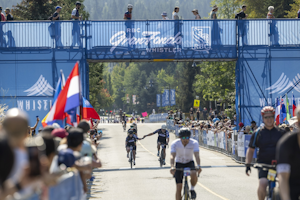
186,173
272,192
131,156
124,126
162,155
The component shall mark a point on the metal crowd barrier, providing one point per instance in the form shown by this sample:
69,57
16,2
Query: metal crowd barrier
69,187
234,145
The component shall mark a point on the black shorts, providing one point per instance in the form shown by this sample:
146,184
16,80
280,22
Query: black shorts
134,147
262,173
161,141
179,174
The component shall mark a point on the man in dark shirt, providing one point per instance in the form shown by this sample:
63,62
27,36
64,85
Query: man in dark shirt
9,17
127,15
288,164
265,139
56,14
242,15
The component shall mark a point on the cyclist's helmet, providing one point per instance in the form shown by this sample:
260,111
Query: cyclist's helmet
78,3
130,131
130,6
133,123
164,127
267,109
184,132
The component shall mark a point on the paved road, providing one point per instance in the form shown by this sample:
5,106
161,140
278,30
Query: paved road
221,177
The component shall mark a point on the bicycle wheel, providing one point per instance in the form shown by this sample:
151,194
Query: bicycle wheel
131,159
161,158
186,190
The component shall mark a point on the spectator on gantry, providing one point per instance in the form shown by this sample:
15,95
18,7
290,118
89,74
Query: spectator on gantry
298,13
56,15
75,12
242,15
164,15
195,12
3,19
213,13
9,17
175,13
128,14
270,13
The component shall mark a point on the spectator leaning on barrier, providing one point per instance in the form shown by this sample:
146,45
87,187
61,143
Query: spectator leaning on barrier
253,126
75,13
270,14
191,113
3,19
195,12
242,15
175,13
9,17
128,13
164,15
213,13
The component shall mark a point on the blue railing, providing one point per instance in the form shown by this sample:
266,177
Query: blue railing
194,38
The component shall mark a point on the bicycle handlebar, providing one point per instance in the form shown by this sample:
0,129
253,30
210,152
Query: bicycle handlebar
263,166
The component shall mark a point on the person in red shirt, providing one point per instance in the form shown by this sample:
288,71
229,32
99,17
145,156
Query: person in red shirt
127,15
3,18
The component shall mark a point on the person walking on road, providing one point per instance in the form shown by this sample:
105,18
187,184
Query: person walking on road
182,152
265,139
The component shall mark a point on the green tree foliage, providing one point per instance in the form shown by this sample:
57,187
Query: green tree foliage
293,12
227,8
145,9
43,9
99,96
216,81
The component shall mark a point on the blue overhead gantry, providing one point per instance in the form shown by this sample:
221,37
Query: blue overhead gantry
33,52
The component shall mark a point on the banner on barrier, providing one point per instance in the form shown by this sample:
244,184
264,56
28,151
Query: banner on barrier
241,146
204,137
246,143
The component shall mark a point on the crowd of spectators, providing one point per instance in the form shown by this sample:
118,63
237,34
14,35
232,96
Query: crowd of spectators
217,121
35,163
128,14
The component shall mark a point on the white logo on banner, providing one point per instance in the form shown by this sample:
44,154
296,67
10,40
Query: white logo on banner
283,84
40,88
201,38
120,39
87,103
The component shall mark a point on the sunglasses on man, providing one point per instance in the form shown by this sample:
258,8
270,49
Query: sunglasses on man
269,117
185,138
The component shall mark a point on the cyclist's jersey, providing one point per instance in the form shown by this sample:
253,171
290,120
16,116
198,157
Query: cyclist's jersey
288,159
266,141
131,140
124,119
184,154
162,136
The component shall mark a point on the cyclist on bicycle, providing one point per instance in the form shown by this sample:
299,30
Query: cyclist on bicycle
182,151
288,164
120,115
163,139
124,120
131,141
264,138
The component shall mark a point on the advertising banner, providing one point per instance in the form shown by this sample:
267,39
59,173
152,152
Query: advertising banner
241,142
167,97
158,117
204,137
163,100
172,97
158,100
247,141
196,103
